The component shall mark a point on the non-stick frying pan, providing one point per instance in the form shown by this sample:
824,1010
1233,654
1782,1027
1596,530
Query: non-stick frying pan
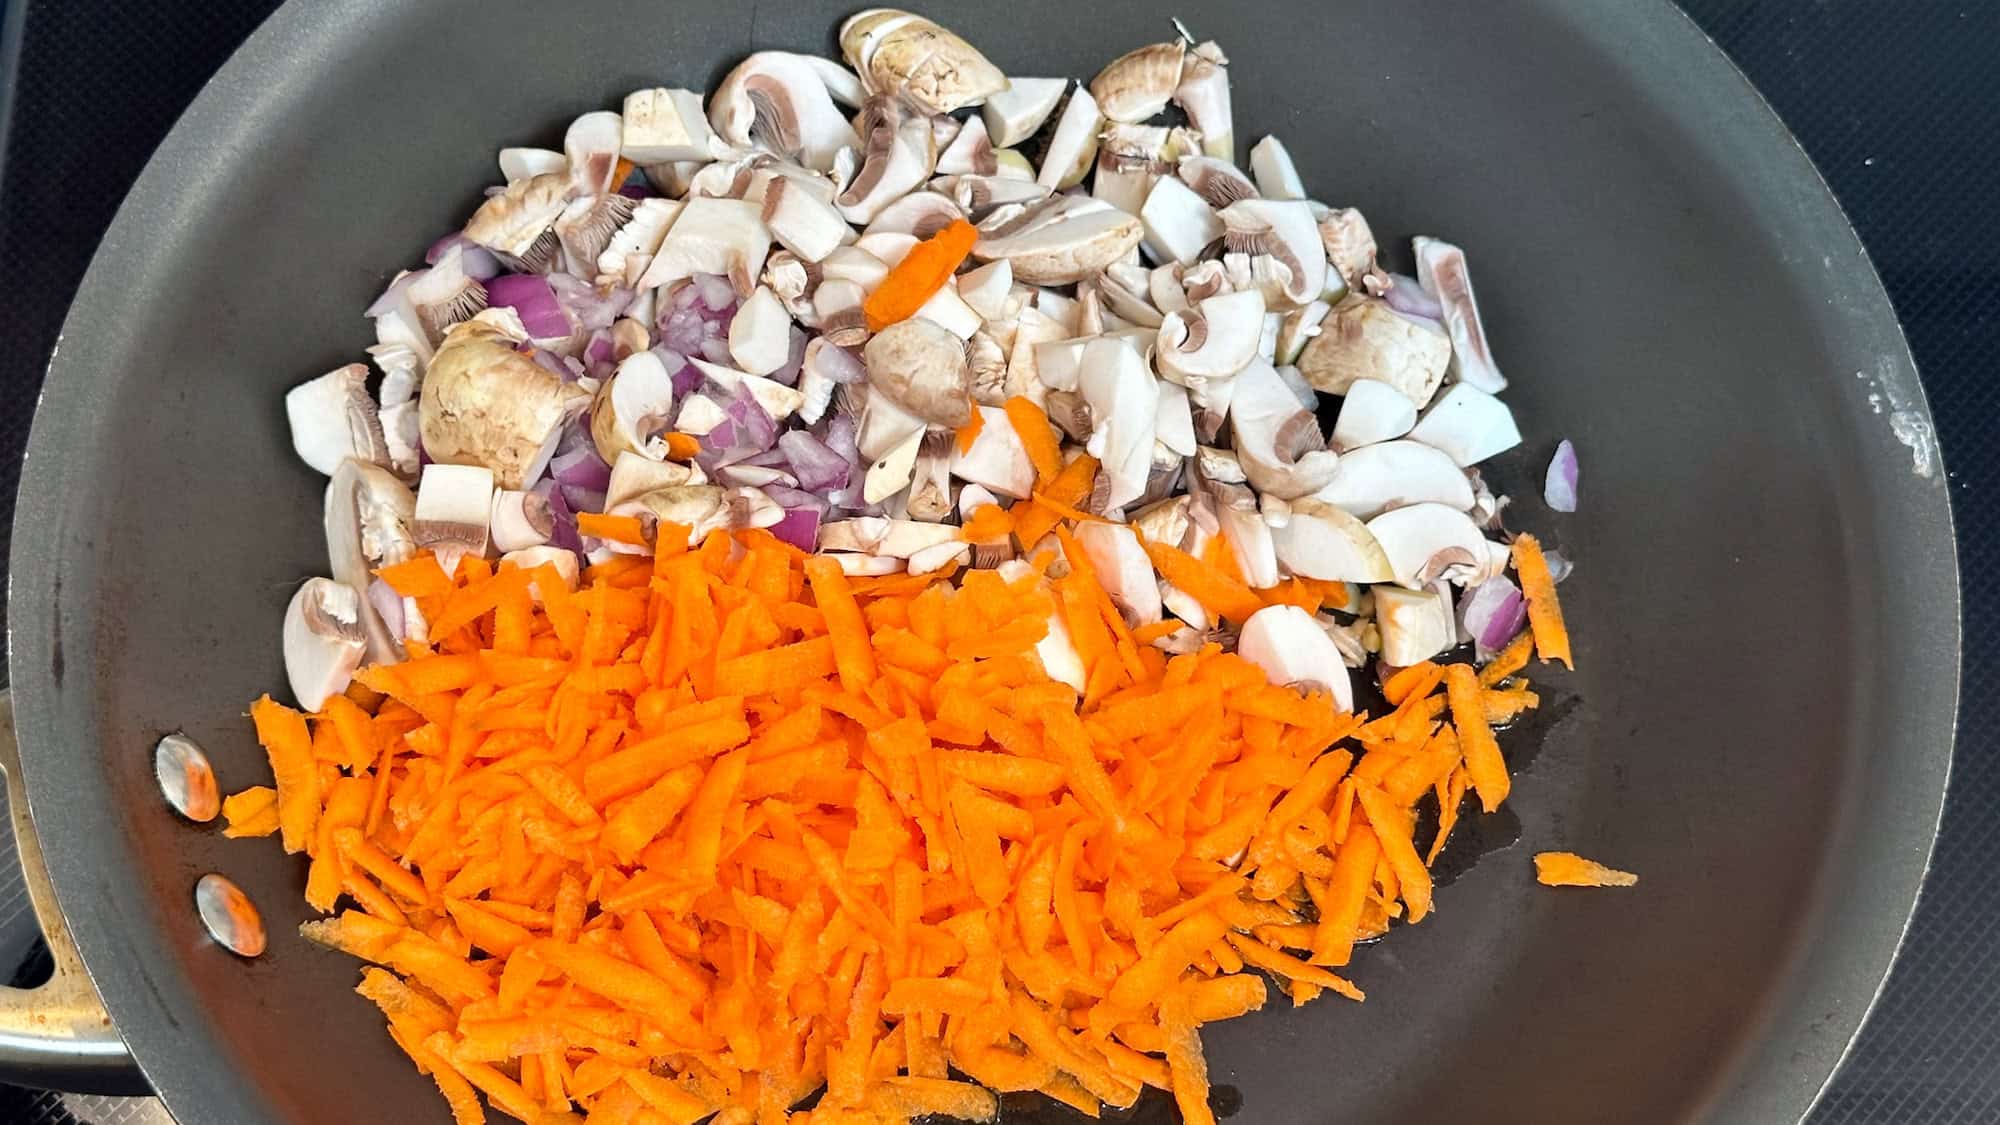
1764,598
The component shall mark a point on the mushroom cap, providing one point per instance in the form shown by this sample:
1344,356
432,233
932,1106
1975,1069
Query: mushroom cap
1422,541
904,54
1294,651
1363,338
1138,84
1415,624
1277,440
485,403
1218,182
1321,541
632,406
1395,474
1217,339
333,418
1012,115
1061,241
1073,145
776,101
324,640
922,367
513,221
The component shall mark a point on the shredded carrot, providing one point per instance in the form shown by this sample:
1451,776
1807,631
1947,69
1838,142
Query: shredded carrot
969,433
728,829
1567,869
1545,616
918,277
618,529
1038,436
987,522
682,447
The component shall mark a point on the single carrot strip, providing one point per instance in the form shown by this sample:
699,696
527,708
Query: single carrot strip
1475,738
1188,1070
1347,894
917,278
289,746
1038,436
618,529
1509,660
1567,869
1032,522
253,812
681,447
1544,611
1217,592
852,654
969,433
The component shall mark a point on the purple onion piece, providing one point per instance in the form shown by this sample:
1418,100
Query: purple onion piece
794,360
564,534
581,468
590,309
773,458
753,426
817,465
1559,487
1559,565
687,377
562,367
715,291
582,499
533,301
1491,613
681,329
635,191
842,436
841,365
389,607
1411,299
800,528
715,349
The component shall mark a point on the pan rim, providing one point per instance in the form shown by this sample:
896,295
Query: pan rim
1794,1054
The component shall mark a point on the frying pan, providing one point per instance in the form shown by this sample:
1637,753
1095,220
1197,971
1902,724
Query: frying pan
1765,596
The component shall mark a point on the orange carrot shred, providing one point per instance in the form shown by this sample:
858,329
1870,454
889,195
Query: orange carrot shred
1567,869
917,278
1544,613
969,433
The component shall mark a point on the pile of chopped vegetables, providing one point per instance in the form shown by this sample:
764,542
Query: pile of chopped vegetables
873,622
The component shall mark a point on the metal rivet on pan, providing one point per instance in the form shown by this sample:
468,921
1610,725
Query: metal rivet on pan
186,779
232,920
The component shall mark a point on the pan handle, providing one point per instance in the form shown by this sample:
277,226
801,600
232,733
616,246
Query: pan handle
58,1035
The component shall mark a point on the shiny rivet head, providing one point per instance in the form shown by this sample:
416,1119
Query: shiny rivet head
228,914
186,779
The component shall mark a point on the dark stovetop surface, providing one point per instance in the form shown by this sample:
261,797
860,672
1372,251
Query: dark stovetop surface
1898,104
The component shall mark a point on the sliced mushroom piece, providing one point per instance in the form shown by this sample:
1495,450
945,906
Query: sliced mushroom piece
1203,94
324,640
1122,569
367,517
1073,145
634,474
970,152
1058,361
333,418
1272,166
729,179
1297,329
625,258
1441,271
1350,246
398,412
841,83
1179,225
1300,389
1012,115
1174,424
1215,341
760,335
698,416
921,366
587,227
982,196
855,265
889,247
715,236
1294,651
1282,230
776,399
910,57
523,163
996,460
1321,541
1031,330
778,102
1113,379
1163,285
801,221
1364,338
590,148
876,535
1210,400
1064,310
673,178
1394,474
1138,84
986,288
454,512
890,473
1219,465
919,215
520,520
1469,425
1129,159
1423,541
517,221
794,281
1218,182
898,153
1277,440
1415,624
485,403
534,558
1372,411
1064,241
664,126
632,409
928,499
1248,534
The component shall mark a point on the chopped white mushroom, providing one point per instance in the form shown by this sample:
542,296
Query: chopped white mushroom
1173,425
1283,233
898,153
1138,84
1215,340
1113,379
1123,569
919,214
401,430
1426,541
367,516
454,512
1272,166
996,460
590,148
949,311
890,473
1372,411
1179,224
777,400
1294,651
625,258
1469,425
715,236
760,335
324,640
524,163
1203,93
1297,329
875,535
1394,474
534,558
889,247
632,409
698,415
971,151
777,102
1248,534
1441,271
986,288
1366,339
516,222
1012,115
633,475
485,403
1129,159
520,520
921,365
1277,440
1415,624
665,126
1321,541
910,57
1073,145
333,418
801,221
1062,241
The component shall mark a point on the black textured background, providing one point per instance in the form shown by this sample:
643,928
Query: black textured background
1898,102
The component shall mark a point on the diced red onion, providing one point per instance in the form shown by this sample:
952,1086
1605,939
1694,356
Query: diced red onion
1559,565
389,606
566,368
800,528
681,328
475,260
715,292
753,425
581,499
581,468
1559,488
635,191
590,309
816,465
564,533
1491,613
794,359
533,301
842,436
793,498
716,350
1411,299
841,365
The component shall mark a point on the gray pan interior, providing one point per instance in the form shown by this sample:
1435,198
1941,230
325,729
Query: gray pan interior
1765,598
